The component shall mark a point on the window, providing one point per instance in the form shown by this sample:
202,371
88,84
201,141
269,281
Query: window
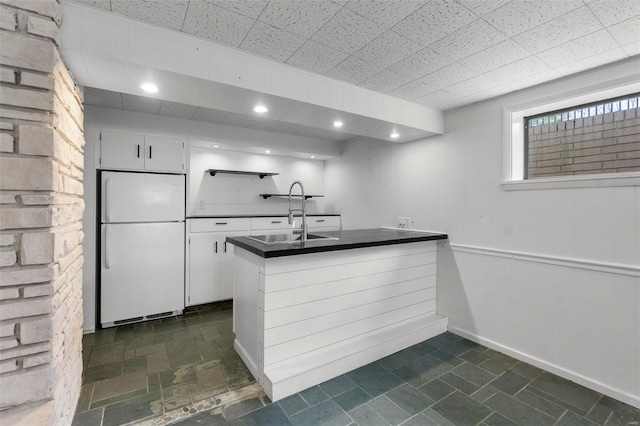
600,137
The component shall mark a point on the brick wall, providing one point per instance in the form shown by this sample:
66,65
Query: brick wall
608,143
41,166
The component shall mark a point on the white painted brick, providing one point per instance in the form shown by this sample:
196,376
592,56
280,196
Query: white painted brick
6,142
25,350
34,384
7,240
36,331
36,140
25,115
25,308
68,128
6,126
8,329
8,20
41,7
8,343
37,248
42,27
9,293
27,276
45,200
25,217
7,366
8,258
43,81
7,75
27,173
37,290
26,98
7,199
39,359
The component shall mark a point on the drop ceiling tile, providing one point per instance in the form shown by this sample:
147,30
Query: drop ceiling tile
565,28
433,82
102,98
316,57
420,63
252,8
158,12
613,12
626,32
522,15
241,120
209,115
388,49
386,80
471,39
632,49
303,18
214,23
271,42
577,50
482,7
441,99
102,4
385,13
592,61
140,104
495,56
353,70
177,110
348,32
434,20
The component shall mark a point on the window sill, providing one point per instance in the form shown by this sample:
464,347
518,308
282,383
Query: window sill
580,181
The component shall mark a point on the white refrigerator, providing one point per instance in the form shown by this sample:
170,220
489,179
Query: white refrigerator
141,246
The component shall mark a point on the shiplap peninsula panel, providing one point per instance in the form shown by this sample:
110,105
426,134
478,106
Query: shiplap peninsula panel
320,315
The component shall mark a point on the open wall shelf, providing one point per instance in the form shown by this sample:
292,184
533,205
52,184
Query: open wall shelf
306,197
213,172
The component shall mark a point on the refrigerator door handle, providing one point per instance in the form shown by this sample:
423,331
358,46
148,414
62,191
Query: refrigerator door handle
150,151
138,150
107,262
107,187
216,249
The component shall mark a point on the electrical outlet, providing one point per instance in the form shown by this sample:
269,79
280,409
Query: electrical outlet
201,204
404,222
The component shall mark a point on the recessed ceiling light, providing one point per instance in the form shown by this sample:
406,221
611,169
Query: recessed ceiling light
149,87
394,135
260,109
267,151
216,146
312,156
337,123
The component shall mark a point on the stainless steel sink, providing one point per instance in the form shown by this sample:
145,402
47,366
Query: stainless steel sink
288,238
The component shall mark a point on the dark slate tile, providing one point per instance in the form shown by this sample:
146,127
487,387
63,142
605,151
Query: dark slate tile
241,408
397,360
461,410
572,419
132,409
459,383
473,374
209,350
338,385
517,411
364,415
409,399
386,409
436,389
421,420
85,398
118,398
542,404
474,357
271,415
374,379
171,404
484,393
443,339
134,365
599,413
314,395
419,372
293,404
445,356
410,376
102,372
352,398
621,413
205,418
436,418
326,413
572,393
496,419
526,370
423,348
510,382
153,383
455,348
93,417
501,357
494,366
177,376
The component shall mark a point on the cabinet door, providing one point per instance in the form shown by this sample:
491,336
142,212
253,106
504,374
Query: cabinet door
121,151
164,154
203,262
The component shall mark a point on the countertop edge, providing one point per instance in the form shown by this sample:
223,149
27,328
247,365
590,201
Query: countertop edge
256,215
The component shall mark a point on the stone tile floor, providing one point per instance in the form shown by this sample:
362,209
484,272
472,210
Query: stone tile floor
185,371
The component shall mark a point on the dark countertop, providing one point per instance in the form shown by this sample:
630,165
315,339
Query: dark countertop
257,215
352,239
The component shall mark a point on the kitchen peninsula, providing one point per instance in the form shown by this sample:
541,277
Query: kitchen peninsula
305,312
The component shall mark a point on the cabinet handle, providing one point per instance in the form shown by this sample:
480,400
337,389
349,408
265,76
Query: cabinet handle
225,246
138,150
221,223
216,249
319,220
276,221
150,151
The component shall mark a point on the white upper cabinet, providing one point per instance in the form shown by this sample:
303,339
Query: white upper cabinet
128,151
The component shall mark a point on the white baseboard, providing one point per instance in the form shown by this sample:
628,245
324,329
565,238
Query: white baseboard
627,398
253,368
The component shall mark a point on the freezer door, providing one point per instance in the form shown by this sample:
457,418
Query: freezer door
142,270
142,197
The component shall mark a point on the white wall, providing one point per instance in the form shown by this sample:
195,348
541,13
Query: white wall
551,277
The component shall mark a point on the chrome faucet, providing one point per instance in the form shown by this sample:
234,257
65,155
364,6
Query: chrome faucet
303,226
